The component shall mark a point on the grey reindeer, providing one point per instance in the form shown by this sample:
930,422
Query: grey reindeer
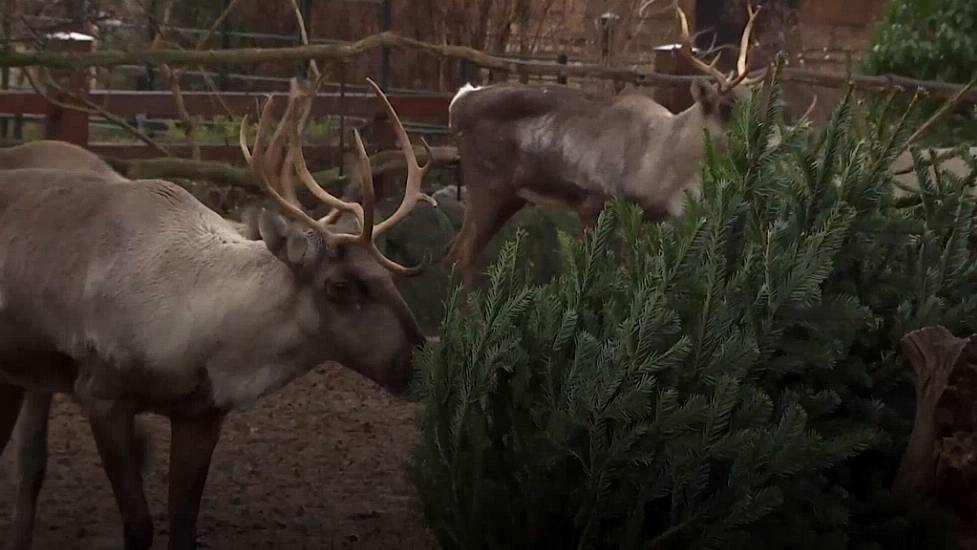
60,155
141,299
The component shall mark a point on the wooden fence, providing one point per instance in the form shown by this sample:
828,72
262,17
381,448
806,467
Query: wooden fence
74,126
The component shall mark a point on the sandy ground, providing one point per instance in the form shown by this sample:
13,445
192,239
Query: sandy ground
319,464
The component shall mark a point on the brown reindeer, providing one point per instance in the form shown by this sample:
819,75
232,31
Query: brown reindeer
563,147
141,299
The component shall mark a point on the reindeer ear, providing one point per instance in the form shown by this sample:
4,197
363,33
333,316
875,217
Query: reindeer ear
705,94
249,218
286,241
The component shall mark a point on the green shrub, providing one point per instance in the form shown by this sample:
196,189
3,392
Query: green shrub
730,381
928,39
931,40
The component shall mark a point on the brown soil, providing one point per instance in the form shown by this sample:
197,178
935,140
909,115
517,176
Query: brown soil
320,464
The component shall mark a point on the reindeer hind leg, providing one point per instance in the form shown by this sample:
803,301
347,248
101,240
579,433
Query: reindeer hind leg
484,217
113,428
10,400
32,457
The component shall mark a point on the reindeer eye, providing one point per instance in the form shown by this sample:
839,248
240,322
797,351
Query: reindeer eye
338,290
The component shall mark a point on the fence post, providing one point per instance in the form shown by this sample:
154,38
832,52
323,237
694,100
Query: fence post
342,119
607,21
5,71
384,139
561,78
150,81
5,77
305,9
466,71
68,124
386,18
667,61
222,80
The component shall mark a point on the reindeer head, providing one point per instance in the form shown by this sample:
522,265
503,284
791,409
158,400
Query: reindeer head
362,316
716,101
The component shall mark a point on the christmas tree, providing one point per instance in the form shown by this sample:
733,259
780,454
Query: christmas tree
732,380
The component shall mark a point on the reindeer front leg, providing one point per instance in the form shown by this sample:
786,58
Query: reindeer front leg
191,448
589,209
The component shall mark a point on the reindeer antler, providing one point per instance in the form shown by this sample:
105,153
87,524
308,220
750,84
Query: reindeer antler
259,162
687,49
415,172
293,159
726,82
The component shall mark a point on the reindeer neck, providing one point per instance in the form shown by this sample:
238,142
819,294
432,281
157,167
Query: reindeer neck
268,328
670,164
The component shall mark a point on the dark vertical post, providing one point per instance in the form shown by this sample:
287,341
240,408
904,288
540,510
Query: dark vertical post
466,70
4,84
305,9
150,81
342,118
222,79
5,71
68,124
384,139
607,21
76,11
562,60
605,39
386,19
667,61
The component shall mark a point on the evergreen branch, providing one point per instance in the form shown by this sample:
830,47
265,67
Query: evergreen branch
665,539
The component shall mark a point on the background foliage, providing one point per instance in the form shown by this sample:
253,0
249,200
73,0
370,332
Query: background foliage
933,40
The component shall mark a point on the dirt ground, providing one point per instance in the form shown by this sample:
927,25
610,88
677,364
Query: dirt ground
320,464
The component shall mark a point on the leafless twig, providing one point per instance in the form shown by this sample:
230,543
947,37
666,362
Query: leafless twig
940,113
217,23
86,105
173,80
313,68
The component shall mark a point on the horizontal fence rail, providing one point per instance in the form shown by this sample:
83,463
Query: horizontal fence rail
160,104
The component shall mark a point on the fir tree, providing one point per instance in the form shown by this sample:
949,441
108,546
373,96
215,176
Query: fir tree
714,383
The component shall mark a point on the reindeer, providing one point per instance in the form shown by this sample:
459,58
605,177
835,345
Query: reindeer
144,300
54,155
35,406
566,148
61,155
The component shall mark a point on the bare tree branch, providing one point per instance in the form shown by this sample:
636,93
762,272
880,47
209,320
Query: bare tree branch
173,80
215,92
315,75
382,162
940,113
344,52
86,105
217,23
